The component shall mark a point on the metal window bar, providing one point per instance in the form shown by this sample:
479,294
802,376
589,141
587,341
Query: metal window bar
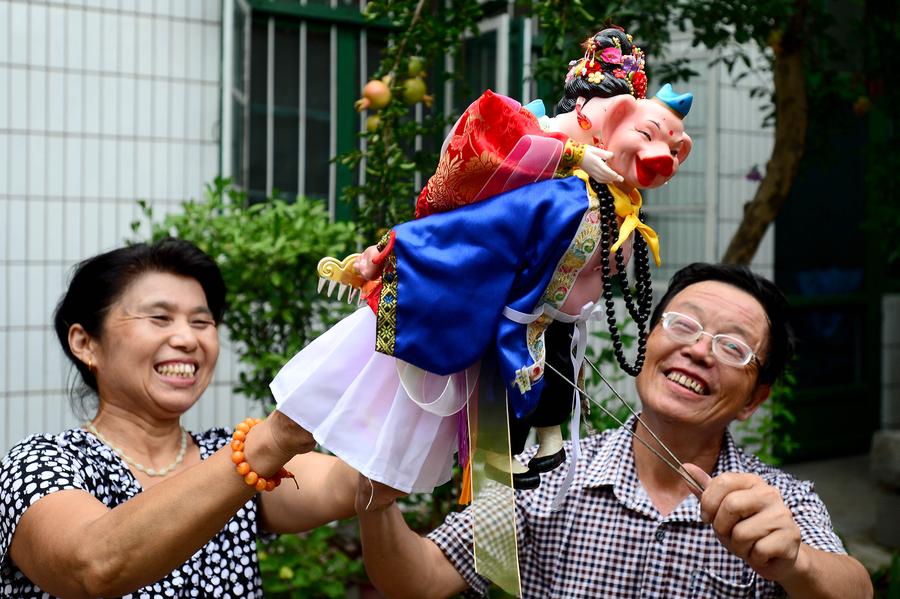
332,121
363,78
301,101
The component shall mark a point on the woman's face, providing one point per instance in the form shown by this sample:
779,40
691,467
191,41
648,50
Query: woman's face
158,346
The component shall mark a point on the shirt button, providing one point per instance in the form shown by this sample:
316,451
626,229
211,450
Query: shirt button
660,535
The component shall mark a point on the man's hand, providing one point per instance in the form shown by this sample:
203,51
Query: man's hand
594,164
751,520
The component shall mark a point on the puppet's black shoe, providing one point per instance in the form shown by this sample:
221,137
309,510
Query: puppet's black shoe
526,481
548,462
523,481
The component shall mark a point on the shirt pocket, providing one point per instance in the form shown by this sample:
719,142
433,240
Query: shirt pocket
707,585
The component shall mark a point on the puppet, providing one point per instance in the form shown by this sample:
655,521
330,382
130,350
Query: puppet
493,260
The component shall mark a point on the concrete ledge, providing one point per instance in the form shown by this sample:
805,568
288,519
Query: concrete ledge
887,524
885,468
885,459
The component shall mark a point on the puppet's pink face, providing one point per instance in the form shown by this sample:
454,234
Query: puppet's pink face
648,145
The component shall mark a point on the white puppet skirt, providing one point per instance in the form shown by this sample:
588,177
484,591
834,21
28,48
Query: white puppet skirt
351,399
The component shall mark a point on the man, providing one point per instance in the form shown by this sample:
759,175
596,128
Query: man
629,526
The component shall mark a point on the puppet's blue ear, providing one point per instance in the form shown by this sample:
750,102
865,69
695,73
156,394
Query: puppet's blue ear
536,107
680,103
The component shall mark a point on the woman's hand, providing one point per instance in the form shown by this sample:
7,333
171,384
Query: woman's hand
594,164
365,265
288,437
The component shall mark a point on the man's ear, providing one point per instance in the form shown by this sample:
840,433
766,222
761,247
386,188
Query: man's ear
81,344
617,110
757,396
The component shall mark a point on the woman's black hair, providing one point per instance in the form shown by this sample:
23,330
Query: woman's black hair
781,341
610,85
98,282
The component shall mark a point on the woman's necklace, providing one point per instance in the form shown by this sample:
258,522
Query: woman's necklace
148,471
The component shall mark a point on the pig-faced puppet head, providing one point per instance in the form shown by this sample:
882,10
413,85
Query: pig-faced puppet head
646,137
604,104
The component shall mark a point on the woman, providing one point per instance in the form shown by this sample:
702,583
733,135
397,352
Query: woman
131,503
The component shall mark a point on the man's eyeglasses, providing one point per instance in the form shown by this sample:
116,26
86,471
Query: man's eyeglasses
727,349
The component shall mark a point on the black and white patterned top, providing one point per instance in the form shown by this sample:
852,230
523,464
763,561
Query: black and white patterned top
608,540
42,464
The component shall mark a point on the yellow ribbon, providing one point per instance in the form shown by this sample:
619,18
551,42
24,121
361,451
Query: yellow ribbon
628,206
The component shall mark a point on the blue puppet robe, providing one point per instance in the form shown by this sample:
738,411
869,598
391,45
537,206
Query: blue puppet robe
450,275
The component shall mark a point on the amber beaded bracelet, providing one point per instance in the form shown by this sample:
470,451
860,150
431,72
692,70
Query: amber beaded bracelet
243,468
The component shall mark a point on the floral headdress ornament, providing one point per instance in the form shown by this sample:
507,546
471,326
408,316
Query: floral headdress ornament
629,67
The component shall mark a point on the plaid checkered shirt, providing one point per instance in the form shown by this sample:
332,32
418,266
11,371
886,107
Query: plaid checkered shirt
608,540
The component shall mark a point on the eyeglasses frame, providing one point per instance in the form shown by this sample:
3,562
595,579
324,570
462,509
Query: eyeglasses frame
752,358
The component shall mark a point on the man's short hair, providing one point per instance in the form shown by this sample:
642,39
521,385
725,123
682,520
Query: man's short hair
780,346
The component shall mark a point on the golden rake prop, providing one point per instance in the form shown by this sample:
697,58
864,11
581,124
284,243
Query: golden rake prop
341,274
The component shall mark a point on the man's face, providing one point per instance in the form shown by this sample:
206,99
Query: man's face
687,383
648,145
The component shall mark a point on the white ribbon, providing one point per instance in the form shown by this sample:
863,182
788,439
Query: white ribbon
590,311
437,394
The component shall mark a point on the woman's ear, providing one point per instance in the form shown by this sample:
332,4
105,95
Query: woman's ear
81,344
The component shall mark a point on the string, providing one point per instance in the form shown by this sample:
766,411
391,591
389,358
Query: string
677,469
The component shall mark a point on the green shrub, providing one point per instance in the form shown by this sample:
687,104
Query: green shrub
319,563
604,359
886,580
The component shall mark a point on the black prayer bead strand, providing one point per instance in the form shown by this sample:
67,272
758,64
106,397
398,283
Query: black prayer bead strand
610,306
643,284
608,213
640,312
644,293
621,272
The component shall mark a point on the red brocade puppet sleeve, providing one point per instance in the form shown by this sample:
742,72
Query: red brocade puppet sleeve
497,145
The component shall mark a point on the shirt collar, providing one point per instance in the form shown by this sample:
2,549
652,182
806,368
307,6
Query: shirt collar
729,457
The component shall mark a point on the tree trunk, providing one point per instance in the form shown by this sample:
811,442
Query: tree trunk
781,170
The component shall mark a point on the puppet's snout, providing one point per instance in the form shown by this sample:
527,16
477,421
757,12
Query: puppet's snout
651,165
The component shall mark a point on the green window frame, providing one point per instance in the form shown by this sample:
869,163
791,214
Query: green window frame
286,127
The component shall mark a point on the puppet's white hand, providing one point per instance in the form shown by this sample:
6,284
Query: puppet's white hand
365,265
594,164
